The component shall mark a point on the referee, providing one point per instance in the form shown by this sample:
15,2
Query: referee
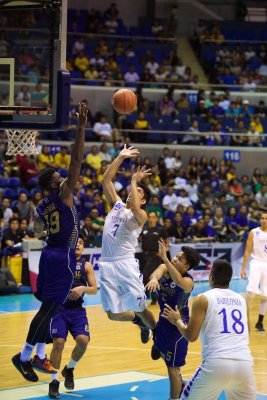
150,260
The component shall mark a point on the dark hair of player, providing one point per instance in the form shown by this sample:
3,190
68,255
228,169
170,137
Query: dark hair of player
191,255
147,194
221,273
45,177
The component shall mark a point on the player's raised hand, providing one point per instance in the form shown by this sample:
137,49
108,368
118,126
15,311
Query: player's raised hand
162,249
152,285
141,173
171,315
82,114
129,152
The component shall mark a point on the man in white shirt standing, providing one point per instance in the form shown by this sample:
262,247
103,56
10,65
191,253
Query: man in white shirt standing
131,75
104,130
256,248
220,317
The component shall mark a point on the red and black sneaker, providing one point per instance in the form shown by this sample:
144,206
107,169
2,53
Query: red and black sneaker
43,365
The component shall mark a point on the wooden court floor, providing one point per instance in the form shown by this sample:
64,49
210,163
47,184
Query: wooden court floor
114,347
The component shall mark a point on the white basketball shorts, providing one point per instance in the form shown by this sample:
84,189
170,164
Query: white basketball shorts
257,278
233,377
121,285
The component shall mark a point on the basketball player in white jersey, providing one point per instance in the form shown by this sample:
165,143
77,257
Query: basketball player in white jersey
121,285
256,247
220,317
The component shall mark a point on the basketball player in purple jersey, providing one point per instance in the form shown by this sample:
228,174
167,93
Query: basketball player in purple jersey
174,286
57,216
121,285
71,317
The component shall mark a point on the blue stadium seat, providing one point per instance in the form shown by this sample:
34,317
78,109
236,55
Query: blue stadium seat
9,193
134,31
3,182
13,182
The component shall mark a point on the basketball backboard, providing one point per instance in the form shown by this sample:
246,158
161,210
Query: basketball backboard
34,85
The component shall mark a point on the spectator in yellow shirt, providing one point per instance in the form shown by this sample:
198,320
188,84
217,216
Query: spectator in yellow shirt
91,73
62,159
257,123
45,159
81,62
93,158
141,124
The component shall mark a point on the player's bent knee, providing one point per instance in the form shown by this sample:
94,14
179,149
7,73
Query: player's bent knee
82,341
58,344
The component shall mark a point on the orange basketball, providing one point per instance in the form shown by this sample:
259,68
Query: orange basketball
124,101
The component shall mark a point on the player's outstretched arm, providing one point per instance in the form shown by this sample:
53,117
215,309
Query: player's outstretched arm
183,282
155,277
248,250
110,173
76,157
136,202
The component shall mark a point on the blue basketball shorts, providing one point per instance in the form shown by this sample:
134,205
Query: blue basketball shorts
73,320
56,269
171,343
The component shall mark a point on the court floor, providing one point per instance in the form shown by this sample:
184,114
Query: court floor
116,365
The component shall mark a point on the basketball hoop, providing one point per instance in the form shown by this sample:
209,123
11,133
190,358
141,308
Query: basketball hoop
21,142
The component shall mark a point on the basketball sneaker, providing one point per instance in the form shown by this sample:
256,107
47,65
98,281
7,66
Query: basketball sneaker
68,375
43,365
53,392
155,353
259,327
146,333
25,368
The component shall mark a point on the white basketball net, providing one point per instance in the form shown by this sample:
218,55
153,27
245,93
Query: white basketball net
21,142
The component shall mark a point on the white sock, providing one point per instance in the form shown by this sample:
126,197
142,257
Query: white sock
174,399
26,352
263,307
40,350
55,376
72,363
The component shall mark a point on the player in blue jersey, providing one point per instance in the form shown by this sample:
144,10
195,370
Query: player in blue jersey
174,287
57,216
71,317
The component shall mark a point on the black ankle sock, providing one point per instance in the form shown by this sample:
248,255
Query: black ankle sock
260,320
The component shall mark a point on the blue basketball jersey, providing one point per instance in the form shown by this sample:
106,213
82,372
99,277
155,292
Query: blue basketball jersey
61,222
80,279
174,296
168,339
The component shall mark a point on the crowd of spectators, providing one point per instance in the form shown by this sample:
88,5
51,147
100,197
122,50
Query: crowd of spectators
105,60
100,59
210,119
229,61
204,200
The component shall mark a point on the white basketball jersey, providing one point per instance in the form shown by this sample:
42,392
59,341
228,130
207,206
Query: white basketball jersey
224,333
121,231
259,251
